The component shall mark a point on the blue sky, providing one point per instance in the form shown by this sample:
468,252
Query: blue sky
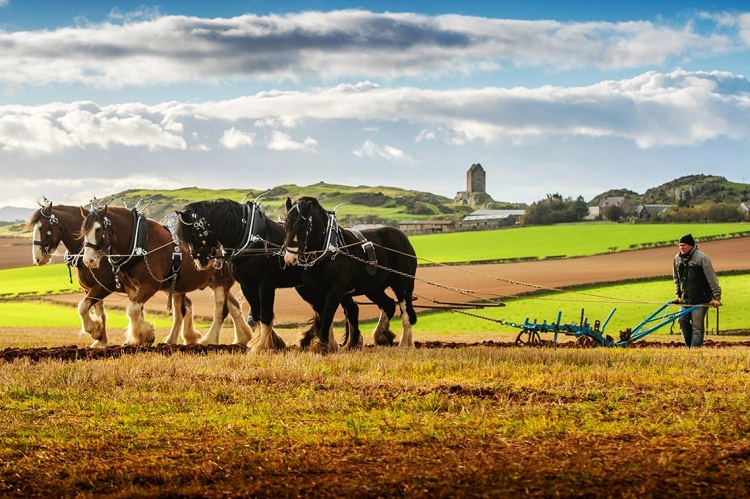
550,97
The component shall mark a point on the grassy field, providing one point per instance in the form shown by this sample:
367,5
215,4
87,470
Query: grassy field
633,303
475,421
557,240
383,422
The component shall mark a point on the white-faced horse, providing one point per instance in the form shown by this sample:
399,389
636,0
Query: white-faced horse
144,258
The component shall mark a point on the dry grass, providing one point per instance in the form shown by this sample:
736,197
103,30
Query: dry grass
380,422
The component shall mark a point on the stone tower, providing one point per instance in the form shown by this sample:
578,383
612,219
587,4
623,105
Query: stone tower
476,179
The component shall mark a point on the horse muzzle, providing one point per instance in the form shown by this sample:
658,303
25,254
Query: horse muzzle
291,256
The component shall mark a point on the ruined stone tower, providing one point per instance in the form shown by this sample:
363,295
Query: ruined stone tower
476,179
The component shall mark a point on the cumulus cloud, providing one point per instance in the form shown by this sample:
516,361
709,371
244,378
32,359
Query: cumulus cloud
234,139
280,141
55,127
370,149
149,49
78,191
651,110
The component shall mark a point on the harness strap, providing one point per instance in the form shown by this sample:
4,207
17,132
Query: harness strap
138,240
369,249
333,233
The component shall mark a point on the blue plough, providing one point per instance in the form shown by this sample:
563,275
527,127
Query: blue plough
593,336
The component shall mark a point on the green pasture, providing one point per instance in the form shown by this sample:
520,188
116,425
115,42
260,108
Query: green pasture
571,240
633,303
37,281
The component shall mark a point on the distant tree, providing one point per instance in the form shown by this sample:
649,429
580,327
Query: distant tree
555,209
614,213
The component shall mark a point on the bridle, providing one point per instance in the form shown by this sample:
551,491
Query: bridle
200,228
106,223
44,244
301,248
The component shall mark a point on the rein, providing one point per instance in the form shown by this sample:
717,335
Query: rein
333,243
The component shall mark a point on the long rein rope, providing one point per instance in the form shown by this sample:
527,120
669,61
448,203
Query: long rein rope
475,273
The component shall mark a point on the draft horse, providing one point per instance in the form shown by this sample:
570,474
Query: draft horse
144,258
250,243
52,225
340,262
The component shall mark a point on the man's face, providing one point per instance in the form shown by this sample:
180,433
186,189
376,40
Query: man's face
685,248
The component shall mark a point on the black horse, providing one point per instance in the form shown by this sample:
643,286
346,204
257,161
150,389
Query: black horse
344,262
250,243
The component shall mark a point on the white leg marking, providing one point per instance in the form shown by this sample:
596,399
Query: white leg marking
212,337
406,336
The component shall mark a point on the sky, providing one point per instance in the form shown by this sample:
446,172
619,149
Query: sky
572,98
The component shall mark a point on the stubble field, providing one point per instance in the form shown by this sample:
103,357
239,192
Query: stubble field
471,420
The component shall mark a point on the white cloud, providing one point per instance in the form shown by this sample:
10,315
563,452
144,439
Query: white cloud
80,191
234,139
370,149
148,49
650,110
55,127
280,141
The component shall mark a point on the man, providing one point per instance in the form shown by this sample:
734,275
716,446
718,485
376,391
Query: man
695,283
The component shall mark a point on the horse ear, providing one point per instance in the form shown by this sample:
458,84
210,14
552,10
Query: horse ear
288,203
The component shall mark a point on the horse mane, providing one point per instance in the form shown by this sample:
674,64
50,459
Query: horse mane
37,216
88,222
223,212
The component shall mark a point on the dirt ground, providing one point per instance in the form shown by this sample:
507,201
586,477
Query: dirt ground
575,465
440,283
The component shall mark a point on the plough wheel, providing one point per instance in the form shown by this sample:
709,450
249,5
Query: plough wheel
528,337
585,341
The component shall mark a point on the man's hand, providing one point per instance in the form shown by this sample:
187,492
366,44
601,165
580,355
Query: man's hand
677,300
714,303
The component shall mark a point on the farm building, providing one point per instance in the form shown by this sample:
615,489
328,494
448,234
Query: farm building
427,226
648,211
491,219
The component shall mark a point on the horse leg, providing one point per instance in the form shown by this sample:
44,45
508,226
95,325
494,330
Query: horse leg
268,338
212,337
322,341
408,319
243,333
382,334
190,335
353,336
139,332
96,328
178,315
253,301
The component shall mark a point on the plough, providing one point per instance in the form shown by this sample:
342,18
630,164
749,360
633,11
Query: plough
594,336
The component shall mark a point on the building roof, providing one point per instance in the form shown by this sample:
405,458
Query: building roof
492,215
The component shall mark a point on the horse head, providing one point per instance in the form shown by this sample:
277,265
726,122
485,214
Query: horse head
46,233
97,237
298,227
196,232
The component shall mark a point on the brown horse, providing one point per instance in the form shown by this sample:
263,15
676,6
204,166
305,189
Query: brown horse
52,225
144,259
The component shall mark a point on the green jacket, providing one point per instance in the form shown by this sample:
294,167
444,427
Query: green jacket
694,278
